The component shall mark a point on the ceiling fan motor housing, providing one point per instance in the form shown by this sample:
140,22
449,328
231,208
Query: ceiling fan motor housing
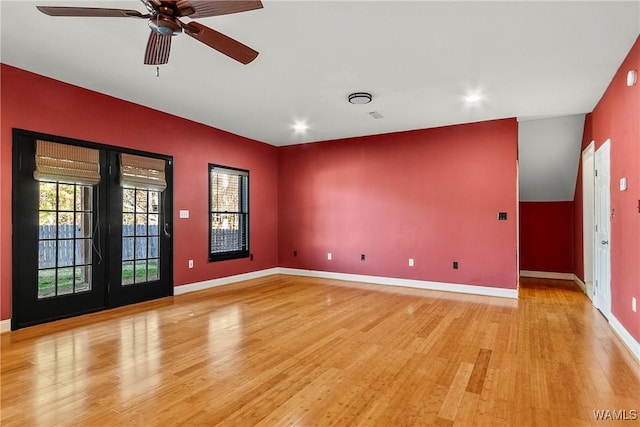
165,25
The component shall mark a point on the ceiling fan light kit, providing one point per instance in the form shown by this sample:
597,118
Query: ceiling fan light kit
360,98
163,19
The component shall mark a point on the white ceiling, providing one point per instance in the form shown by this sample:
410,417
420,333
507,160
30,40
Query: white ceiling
417,58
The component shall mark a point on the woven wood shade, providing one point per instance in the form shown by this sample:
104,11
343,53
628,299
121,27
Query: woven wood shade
66,163
142,172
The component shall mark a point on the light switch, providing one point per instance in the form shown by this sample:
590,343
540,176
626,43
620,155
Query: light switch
623,184
184,213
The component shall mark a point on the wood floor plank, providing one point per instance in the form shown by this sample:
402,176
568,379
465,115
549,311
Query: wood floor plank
286,350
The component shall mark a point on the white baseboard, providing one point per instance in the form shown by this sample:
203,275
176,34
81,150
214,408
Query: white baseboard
198,286
580,284
625,336
547,275
5,325
409,283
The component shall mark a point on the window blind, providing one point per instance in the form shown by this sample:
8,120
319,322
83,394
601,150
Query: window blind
142,172
66,163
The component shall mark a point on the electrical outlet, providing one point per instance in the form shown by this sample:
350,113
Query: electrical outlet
455,265
633,304
329,256
361,257
295,253
410,262
190,263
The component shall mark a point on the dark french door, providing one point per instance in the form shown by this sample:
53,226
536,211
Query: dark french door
79,248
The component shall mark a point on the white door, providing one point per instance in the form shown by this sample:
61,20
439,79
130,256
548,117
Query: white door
602,241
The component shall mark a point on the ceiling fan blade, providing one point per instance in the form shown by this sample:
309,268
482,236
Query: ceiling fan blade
158,49
218,41
151,5
91,12
203,9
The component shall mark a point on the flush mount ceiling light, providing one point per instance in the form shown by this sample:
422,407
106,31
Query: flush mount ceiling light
632,77
360,98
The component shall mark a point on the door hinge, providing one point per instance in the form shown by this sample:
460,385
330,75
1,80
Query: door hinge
109,229
596,227
596,172
109,170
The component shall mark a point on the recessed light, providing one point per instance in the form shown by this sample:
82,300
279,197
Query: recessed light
472,98
300,127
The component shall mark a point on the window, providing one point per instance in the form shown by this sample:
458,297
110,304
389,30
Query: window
228,213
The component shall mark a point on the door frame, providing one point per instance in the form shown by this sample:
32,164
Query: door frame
588,221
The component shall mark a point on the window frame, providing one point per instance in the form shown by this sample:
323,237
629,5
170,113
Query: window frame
245,251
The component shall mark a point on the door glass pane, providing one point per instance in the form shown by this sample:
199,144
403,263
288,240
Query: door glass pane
153,247
141,224
154,201
83,252
154,269
48,198
127,248
141,201
83,200
153,225
141,272
127,273
83,227
66,197
47,253
64,239
46,283
141,247
83,278
128,196
65,225
127,224
65,281
65,253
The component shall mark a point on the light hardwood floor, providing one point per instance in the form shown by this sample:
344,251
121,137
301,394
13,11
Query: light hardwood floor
285,350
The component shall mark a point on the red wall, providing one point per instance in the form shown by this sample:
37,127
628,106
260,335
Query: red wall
617,117
546,236
40,104
432,195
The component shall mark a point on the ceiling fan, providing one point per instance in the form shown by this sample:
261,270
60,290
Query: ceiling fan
163,17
